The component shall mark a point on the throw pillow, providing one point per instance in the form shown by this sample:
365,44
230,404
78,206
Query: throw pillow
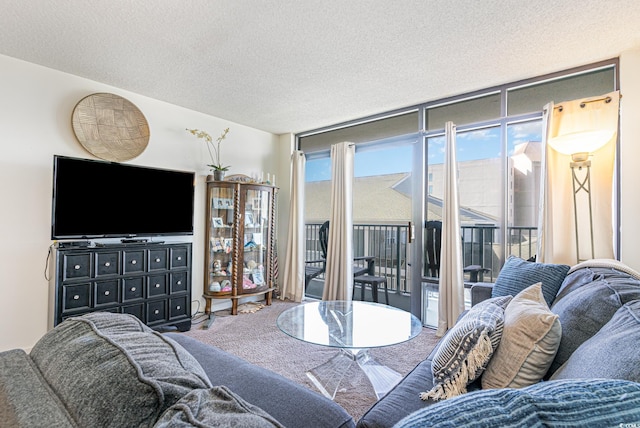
610,353
590,297
518,274
466,349
215,407
530,340
575,403
112,370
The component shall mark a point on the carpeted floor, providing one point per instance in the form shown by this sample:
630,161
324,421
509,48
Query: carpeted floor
256,338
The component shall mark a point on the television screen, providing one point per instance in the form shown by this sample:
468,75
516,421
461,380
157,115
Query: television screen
96,199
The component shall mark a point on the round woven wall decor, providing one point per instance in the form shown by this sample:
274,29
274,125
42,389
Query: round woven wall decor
110,127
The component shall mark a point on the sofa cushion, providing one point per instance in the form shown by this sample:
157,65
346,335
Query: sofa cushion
466,349
584,403
259,386
588,299
112,370
215,407
518,274
530,340
612,352
25,398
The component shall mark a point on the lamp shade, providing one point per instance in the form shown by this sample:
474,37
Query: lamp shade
580,142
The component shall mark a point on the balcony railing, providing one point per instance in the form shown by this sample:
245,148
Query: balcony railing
388,244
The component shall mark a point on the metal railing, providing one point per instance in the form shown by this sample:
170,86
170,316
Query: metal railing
388,245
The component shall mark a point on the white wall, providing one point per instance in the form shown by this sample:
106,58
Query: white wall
36,104
35,123
630,156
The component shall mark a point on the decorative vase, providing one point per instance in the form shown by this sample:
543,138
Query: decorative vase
218,175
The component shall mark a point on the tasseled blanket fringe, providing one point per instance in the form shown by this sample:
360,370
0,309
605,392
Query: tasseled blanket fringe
469,369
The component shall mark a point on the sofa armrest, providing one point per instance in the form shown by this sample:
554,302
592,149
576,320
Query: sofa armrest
480,291
26,400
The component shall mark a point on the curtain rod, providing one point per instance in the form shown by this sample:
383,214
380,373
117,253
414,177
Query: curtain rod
583,104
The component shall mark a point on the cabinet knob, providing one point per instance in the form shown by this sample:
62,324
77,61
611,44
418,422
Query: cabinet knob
157,259
133,288
178,307
179,282
106,293
157,285
156,312
179,258
133,262
77,267
76,297
107,264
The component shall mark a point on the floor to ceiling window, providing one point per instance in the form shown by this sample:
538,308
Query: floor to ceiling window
382,196
499,149
499,135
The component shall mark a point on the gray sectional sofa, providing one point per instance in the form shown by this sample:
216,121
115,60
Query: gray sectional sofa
106,369
597,305
110,370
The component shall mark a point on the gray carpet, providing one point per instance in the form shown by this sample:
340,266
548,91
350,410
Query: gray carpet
256,338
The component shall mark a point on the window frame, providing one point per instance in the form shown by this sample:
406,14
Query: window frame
504,121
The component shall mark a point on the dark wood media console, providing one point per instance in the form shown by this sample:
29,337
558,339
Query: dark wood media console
149,280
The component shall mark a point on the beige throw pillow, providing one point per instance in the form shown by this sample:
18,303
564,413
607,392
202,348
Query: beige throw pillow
530,340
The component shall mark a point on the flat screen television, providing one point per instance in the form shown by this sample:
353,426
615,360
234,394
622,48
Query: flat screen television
98,199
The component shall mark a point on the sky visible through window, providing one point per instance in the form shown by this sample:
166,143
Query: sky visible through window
471,145
390,160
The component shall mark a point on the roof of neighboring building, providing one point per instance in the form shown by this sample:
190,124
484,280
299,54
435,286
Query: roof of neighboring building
380,199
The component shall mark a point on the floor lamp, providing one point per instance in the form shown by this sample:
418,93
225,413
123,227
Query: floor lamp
581,145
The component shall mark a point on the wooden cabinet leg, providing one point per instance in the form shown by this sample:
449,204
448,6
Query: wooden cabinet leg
207,305
267,297
234,306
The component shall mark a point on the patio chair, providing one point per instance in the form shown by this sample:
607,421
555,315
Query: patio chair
314,268
432,248
432,254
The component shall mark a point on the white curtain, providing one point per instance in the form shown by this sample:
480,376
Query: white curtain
451,296
545,219
568,121
338,283
293,284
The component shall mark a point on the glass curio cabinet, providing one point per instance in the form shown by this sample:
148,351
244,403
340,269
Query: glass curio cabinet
240,238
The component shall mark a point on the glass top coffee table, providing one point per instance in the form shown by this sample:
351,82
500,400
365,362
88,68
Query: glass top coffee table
353,327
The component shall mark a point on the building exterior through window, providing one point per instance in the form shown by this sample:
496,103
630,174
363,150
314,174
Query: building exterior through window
399,179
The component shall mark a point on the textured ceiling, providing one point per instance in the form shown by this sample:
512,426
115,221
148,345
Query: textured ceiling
294,65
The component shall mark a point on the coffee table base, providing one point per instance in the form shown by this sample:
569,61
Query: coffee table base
328,376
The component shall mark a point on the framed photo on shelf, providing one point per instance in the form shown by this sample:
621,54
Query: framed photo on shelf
217,222
228,245
217,244
222,203
257,204
248,219
257,277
